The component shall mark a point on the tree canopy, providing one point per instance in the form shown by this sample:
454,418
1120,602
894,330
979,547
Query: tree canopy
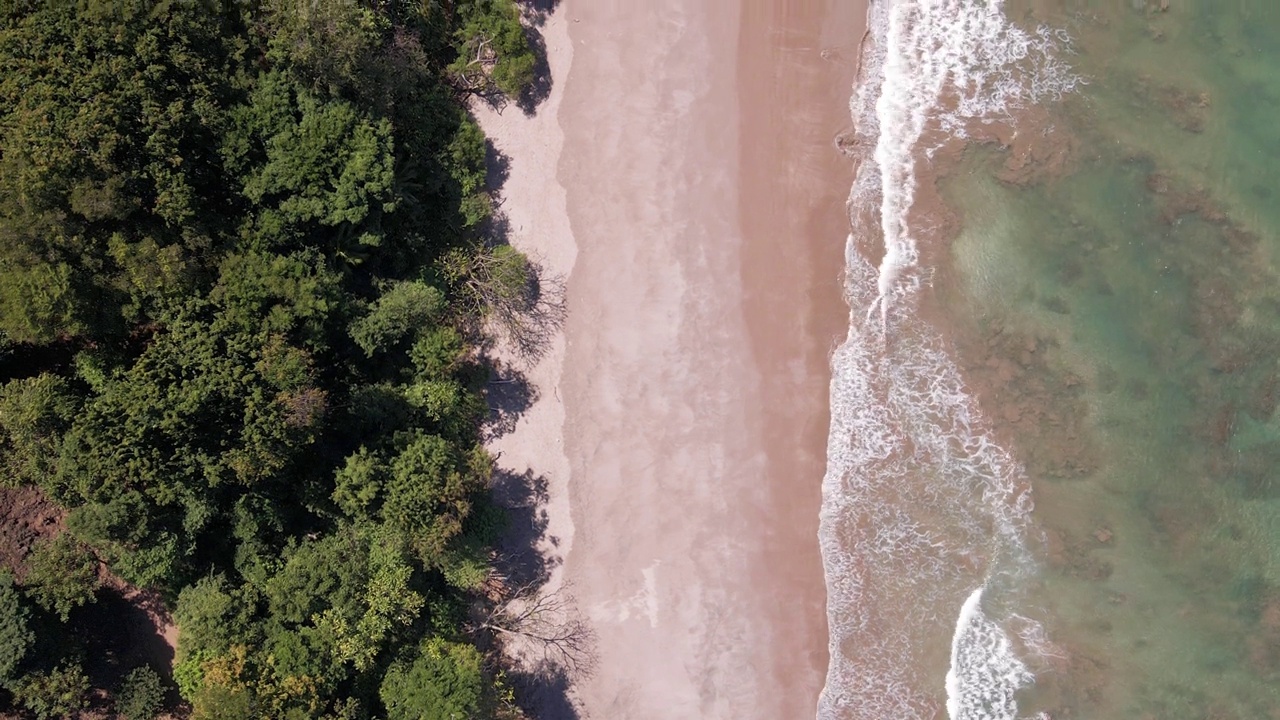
233,350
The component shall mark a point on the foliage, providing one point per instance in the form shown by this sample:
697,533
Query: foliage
58,693
466,153
494,50
444,681
210,616
224,691
16,637
305,159
401,310
34,412
332,44
62,574
141,696
358,633
231,347
108,119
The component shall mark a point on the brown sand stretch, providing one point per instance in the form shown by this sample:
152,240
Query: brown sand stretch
683,176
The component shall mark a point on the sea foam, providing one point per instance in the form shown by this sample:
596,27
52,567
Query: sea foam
921,506
985,673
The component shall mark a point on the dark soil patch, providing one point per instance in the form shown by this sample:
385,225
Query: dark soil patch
26,515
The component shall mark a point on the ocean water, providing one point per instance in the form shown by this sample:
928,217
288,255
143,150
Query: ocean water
1053,485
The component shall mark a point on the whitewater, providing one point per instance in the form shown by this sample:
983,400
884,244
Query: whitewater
925,522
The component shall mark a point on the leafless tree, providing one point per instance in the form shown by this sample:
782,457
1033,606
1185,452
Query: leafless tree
531,323
546,624
526,303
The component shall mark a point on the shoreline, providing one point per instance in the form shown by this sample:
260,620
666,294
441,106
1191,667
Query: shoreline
683,176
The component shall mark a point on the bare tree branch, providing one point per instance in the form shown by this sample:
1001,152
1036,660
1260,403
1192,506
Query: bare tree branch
547,623
527,305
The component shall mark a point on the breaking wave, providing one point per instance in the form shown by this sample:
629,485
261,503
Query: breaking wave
922,508
985,672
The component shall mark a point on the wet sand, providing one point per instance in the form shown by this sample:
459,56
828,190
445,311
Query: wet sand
797,61
705,224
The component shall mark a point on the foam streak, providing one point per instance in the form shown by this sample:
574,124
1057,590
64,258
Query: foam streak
920,503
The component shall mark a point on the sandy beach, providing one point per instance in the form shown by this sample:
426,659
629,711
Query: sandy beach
682,176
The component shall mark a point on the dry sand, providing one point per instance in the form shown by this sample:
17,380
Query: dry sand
682,175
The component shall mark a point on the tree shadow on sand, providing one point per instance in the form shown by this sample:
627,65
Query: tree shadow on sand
545,640
547,694
509,394
124,631
540,89
524,301
524,497
536,12
497,165
540,630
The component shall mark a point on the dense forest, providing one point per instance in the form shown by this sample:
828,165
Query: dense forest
242,274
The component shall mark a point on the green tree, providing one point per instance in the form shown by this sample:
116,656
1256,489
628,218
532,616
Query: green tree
208,412
437,352
335,45
465,159
225,702
16,638
123,529
317,575
236,352
223,692
287,295
38,301
492,47
211,617
346,595
34,413
428,492
424,490
403,310
309,163
360,483
58,693
62,574
108,116
141,696
445,681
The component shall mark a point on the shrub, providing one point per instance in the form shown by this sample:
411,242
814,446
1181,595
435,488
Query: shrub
62,574
445,681
58,693
493,48
15,636
141,696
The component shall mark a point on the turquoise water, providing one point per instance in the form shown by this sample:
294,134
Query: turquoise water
1053,485
1144,272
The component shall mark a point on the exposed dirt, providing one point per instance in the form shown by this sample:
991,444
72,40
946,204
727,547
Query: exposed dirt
26,515
126,628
